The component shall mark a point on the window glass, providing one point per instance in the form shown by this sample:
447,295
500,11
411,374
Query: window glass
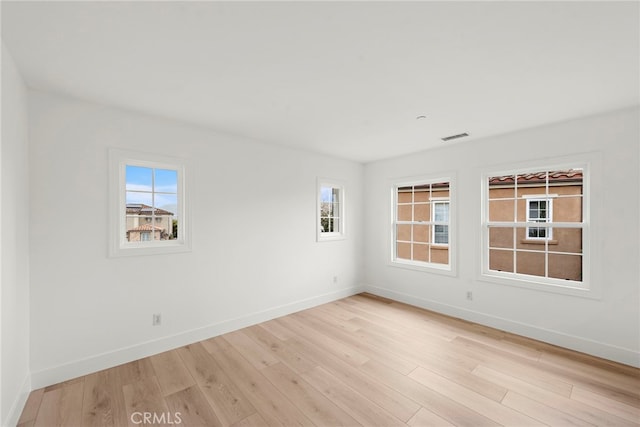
330,211
151,203
148,204
422,224
533,225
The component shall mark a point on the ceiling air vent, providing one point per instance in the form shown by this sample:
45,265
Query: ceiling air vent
449,138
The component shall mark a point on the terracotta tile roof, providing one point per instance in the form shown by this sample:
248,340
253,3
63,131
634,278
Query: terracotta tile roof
434,186
142,209
146,227
571,175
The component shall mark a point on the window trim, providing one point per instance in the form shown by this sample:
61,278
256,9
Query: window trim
118,246
322,236
589,287
443,269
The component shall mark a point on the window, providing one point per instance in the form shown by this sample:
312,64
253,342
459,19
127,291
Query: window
331,222
422,224
539,210
534,226
147,201
441,223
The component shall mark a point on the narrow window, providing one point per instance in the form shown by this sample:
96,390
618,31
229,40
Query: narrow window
148,204
422,224
330,214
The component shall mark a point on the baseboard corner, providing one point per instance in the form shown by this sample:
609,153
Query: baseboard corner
19,403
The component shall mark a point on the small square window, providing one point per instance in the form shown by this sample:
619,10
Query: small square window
148,204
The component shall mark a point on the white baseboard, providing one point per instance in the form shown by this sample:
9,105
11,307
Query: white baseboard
117,357
584,345
18,404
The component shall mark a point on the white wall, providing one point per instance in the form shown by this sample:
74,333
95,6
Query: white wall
608,326
254,227
14,245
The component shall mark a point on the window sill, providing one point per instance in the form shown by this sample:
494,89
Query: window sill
331,237
579,289
444,269
141,249
538,242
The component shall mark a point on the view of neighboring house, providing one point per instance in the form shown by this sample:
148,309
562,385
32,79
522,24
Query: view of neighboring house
546,251
422,232
145,223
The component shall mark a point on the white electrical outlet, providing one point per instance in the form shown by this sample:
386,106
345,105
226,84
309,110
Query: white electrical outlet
335,279
470,295
157,319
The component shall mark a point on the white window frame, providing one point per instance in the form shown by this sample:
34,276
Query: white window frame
327,236
449,269
586,287
549,219
118,244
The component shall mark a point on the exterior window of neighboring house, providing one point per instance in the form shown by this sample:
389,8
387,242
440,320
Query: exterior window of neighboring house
535,228
441,223
330,213
539,210
148,204
421,232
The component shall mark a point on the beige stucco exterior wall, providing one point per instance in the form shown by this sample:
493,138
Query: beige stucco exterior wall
163,221
567,207
417,206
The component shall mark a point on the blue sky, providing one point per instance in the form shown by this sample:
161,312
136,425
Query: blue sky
141,182
326,194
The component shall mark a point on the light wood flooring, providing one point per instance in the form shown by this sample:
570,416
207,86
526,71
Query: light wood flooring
362,360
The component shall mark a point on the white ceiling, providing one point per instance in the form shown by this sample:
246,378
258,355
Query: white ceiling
343,78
